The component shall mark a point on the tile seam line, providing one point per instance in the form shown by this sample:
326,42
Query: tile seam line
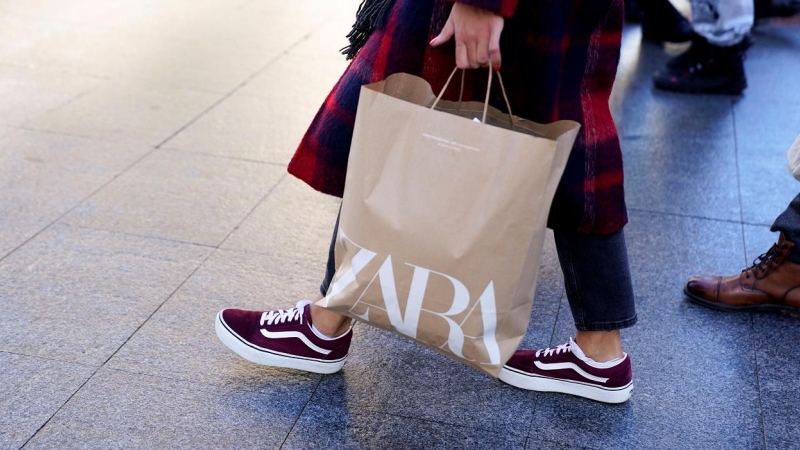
300,414
47,359
171,295
33,129
485,430
76,205
738,177
56,69
272,61
213,155
451,424
80,388
136,235
758,383
183,380
266,253
244,83
691,216
537,396
744,248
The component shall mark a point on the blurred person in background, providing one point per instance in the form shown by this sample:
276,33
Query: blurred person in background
714,63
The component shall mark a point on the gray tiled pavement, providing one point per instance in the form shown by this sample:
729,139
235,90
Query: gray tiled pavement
143,187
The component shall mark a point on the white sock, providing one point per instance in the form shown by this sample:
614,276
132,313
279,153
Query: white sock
576,350
322,336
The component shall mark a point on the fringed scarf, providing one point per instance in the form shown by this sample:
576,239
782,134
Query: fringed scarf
371,15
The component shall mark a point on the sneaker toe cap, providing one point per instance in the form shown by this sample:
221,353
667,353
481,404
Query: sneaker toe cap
522,360
240,321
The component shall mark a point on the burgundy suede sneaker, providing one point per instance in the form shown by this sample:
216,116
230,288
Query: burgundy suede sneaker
282,338
565,369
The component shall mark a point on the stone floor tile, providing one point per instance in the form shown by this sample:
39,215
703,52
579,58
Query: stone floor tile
133,113
122,410
666,250
179,341
44,175
179,196
673,115
210,67
138,42
758,240
29,92
682,175
14,233
77,295
270,25
770,61
31,391
327,40
326,426
763,135
294,80
778,367
268,117
295,221
256,129
389,374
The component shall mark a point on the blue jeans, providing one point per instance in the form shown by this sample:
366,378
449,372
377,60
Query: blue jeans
596,277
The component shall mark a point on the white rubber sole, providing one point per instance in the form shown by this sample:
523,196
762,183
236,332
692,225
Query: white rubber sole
264,357
531,382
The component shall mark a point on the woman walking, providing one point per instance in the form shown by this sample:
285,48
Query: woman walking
559,62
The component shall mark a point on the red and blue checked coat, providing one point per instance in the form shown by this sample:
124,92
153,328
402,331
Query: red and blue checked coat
559,62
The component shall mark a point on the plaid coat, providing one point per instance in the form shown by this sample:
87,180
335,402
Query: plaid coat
559,62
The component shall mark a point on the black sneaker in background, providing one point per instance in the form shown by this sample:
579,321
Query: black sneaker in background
705,69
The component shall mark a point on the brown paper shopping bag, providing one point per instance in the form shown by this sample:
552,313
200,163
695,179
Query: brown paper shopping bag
443,218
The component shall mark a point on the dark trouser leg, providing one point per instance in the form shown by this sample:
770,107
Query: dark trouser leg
330,269
789,223
597,280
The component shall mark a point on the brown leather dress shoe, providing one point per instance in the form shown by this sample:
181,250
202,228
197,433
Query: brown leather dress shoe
771,284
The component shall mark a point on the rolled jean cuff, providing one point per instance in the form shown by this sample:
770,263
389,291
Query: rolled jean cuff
610,326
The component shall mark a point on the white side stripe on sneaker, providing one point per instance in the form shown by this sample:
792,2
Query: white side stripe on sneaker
568,365
294,334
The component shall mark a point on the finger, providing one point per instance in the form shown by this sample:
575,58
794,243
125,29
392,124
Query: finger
482,51
472,47
462,58
482,54
494,45
445,35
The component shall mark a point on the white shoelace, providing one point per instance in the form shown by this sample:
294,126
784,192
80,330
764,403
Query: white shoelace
557,350
282,316
572,347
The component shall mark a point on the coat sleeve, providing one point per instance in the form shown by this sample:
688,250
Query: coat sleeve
504,8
